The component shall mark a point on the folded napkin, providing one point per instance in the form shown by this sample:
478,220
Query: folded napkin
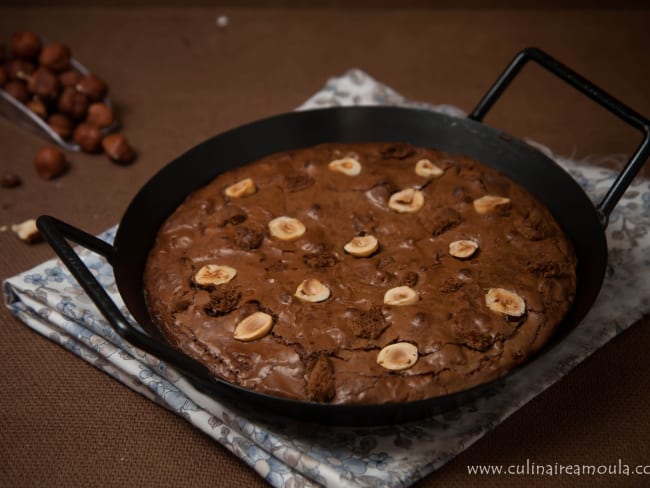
48,299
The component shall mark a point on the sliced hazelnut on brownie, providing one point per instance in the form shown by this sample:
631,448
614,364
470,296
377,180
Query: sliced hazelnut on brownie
463,248
490,203
398,356
504,301
286,228
347,166
362,246
401,295
406,201
241,189
214,274
312,290
253,327
427,169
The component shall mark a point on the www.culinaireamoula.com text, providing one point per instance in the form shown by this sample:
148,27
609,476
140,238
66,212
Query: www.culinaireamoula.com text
530,468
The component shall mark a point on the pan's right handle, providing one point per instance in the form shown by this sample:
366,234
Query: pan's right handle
57,233
625,113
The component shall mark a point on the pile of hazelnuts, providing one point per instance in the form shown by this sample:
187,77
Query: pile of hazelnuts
42,77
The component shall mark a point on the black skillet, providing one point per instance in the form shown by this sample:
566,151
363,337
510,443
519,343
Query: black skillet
583,222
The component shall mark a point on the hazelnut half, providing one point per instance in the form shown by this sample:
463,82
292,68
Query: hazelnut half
55,56
25,45
50,162
117,148
88,137
27,231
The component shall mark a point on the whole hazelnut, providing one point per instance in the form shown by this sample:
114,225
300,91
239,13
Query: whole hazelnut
25,45
100,114
55,56
44,83
37,106
92,86
70,78
50,162
10,180
19,69
88,137
61,124
117,148
73,104
17,89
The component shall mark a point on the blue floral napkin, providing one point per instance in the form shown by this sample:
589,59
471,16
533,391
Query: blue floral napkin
47,299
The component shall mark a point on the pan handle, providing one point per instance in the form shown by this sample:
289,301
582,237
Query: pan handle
57,233
625,113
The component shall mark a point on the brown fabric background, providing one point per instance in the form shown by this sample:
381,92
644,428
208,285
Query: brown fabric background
176,80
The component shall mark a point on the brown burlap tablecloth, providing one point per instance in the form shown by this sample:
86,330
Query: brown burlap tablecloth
177,79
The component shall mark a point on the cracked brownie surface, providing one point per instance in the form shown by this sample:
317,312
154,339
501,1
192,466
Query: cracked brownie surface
472,317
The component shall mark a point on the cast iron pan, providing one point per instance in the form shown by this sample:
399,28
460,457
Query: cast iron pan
583,222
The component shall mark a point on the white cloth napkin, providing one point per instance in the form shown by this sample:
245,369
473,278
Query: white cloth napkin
48,299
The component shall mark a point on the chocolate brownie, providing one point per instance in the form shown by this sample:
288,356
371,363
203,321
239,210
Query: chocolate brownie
360,273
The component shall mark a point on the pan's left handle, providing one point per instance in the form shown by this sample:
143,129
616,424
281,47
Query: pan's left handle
57,234
618,108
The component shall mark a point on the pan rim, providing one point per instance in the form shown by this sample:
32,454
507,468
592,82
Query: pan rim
484,130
